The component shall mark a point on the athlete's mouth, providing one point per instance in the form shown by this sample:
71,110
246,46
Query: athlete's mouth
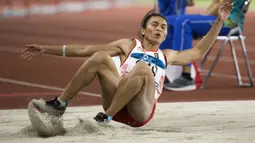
158,34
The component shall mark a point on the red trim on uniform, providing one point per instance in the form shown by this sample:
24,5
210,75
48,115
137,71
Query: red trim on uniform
166,65
165,59
142,49
157,90
124,117
151,50
198,79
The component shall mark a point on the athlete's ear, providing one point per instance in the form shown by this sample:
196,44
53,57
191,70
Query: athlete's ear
142,31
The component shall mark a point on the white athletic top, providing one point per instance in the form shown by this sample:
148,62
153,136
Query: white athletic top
155,59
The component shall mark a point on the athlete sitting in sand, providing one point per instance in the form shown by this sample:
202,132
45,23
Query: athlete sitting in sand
131,97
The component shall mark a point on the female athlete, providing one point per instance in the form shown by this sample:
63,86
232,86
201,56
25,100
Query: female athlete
130,97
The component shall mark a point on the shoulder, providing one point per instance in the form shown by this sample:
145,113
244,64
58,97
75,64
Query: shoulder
121,42
125,44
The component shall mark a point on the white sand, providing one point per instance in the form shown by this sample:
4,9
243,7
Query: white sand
197,122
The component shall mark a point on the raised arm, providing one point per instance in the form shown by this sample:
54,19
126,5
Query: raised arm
114,48
187,56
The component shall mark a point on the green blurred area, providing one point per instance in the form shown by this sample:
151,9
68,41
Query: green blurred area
198,3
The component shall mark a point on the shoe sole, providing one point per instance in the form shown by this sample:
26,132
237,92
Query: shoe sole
40,105
186,88
45,125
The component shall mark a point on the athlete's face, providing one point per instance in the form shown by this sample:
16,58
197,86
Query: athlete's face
156,30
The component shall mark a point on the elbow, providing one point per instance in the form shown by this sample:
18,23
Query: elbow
197,54
200,53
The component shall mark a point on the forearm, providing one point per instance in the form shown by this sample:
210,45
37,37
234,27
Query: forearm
63,50
113,49
182,57
208,40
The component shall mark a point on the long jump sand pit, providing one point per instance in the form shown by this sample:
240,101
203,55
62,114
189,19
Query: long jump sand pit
185,122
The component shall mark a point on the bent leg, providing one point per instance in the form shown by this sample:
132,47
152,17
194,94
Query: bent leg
136,91
101,65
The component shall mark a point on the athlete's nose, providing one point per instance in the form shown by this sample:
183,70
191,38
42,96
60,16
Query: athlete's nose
158,29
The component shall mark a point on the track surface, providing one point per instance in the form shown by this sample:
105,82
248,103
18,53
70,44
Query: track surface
19,79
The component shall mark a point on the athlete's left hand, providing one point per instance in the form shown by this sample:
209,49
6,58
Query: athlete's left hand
224,11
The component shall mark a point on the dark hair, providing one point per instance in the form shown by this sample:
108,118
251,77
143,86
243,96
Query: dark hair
147,17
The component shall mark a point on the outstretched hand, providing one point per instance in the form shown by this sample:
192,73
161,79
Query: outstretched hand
224,11
31,51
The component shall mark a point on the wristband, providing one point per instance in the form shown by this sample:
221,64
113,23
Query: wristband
64,50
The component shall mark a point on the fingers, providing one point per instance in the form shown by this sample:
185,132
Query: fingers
25,50
227,7
30,52
31,56
26,55
28,47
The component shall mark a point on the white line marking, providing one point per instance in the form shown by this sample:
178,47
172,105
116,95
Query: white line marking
29,84
24,83
230,59
204,72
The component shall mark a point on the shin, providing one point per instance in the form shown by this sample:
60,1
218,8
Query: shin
129,86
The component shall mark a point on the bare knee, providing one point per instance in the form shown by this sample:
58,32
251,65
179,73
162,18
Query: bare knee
100,57
142,69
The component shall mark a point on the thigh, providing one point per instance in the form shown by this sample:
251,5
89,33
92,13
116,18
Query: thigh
141,105
108,77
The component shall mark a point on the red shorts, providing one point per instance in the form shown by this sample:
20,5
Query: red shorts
123,117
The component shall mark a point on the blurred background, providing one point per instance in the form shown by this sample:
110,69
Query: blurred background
20,7
59,22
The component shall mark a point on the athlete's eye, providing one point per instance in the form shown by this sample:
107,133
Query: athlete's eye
154,24
163,27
